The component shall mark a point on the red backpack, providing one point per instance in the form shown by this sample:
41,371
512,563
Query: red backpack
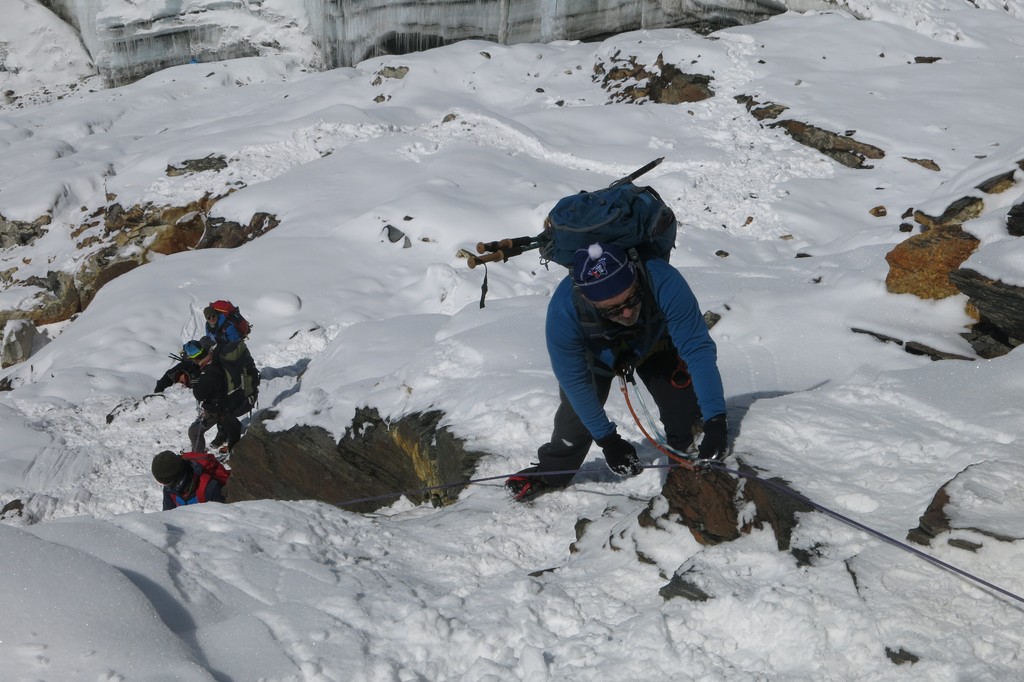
211,467
231,313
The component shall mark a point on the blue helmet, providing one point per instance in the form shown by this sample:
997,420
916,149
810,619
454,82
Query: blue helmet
195,351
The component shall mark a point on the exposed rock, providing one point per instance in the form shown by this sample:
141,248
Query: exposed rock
20,233
901,656
629,81
705,501
917,348
921,264
209,163
997,183
761,112
227,234
777,504
374,459
987,340
396,72
18,337
116,240
841,148
924,163
912,347
983,499
1015,220
681,587
999,304
12,509
956,214
884,338
879,211
395,235
57,300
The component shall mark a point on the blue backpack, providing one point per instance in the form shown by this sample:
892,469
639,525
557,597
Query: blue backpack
627,215
623,214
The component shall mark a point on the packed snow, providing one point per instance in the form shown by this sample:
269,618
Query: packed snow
99,584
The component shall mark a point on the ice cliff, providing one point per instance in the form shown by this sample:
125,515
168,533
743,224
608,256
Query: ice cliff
128,39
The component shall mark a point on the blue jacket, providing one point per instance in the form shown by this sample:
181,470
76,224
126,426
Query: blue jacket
572,355
223,332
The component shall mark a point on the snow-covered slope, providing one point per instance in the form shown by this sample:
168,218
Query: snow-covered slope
484,589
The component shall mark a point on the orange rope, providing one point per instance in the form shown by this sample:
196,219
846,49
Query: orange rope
687,464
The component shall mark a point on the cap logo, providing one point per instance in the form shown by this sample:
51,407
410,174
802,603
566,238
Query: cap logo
598,269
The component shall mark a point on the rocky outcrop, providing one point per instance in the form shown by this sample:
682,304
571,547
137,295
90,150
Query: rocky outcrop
842,148
20,233
928,265
1000,308
1015,220
982,501
629,81
115,240
921,264
367,469
708,501
18,337
57,300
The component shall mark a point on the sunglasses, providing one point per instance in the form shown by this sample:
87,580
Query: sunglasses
616,311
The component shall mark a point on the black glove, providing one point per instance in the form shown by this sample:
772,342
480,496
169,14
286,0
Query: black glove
620,455
716,439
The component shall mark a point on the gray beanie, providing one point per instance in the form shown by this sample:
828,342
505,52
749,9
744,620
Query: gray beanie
167,467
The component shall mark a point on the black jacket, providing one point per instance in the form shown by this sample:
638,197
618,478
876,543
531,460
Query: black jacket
186,367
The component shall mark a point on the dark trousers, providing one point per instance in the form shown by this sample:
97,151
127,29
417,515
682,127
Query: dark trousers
228,427
672,393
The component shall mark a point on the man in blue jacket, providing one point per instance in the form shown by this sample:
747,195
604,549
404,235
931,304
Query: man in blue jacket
613,315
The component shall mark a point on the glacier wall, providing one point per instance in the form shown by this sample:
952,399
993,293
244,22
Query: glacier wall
128,39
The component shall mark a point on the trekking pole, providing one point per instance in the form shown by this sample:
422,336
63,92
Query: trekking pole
502,250
651,165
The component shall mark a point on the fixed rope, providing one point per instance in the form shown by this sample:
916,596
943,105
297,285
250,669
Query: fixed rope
679,461
714,465
775,485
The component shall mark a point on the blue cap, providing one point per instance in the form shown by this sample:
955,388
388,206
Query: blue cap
602,271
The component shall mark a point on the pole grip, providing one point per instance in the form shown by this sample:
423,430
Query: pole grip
492,257
505,244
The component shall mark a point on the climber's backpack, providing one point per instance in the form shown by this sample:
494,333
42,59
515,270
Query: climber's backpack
241,375
623,214
234,317
210,466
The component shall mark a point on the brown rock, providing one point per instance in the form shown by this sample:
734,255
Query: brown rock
375,459
841,148
956,214
921,264
705,502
